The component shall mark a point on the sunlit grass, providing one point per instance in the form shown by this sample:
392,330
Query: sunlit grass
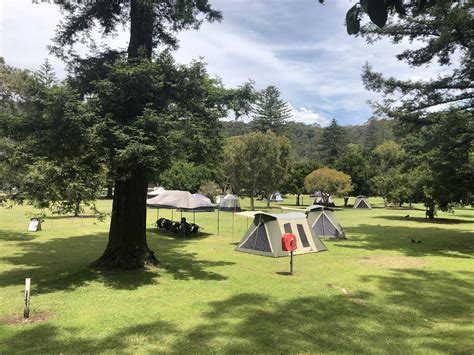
376,292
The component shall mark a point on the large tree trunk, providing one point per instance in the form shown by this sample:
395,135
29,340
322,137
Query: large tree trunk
269,196
430,211
297,199
127,247
110,190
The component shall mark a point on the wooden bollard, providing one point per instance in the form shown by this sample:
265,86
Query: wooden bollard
26,309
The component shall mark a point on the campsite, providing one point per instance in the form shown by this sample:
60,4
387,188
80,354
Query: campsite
375,290
226,177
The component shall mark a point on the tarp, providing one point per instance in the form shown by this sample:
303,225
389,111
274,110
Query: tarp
179,199
229,203
248,213
156,192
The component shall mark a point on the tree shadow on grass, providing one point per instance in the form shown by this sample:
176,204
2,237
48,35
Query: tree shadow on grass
338,323
426,221
46,338
60,264
453,243
415,311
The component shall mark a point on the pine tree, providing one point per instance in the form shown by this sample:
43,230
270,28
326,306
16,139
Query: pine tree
270,111
332,143
45,75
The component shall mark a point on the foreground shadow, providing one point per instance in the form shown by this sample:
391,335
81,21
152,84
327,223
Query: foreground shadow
433,241
414,311
60,264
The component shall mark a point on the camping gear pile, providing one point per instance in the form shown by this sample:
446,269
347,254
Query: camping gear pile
183,227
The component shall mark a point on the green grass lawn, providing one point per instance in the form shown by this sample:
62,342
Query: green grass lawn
374,293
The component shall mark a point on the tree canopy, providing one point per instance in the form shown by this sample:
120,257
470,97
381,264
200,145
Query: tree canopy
329,182
270,112
256,162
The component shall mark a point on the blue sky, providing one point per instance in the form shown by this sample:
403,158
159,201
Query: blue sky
299,46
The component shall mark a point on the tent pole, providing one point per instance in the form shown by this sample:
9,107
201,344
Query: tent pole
233,217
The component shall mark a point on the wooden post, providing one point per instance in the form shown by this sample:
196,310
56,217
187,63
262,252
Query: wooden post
26,310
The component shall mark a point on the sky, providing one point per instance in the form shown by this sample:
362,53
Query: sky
300,46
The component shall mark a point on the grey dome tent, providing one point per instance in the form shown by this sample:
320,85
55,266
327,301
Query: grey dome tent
264,235
324,222
362,202
229,203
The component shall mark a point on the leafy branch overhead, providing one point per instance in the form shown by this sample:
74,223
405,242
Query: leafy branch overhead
379,11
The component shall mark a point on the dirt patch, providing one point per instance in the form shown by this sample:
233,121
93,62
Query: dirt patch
394,262
19,320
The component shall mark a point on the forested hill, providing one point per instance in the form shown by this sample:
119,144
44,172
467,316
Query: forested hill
306,138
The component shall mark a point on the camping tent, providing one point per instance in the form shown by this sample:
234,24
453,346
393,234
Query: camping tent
264,235
276,197
362,202
229,203
324,222
157,191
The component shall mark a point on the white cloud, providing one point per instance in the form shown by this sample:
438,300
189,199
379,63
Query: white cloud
299,46
307,116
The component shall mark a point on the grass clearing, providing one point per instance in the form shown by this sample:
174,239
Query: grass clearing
376,292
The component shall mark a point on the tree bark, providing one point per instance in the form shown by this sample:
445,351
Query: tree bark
297,199
269,196
127,247
252,203
430,211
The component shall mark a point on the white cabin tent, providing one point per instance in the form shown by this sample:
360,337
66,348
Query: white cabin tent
276,197
362,202
229,203
264,235
324,223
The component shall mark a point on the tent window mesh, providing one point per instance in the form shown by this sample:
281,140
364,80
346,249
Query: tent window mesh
329,228
258,240
304,239
319,226
362,204
287,227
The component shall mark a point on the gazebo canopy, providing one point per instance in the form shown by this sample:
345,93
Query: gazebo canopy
183,200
